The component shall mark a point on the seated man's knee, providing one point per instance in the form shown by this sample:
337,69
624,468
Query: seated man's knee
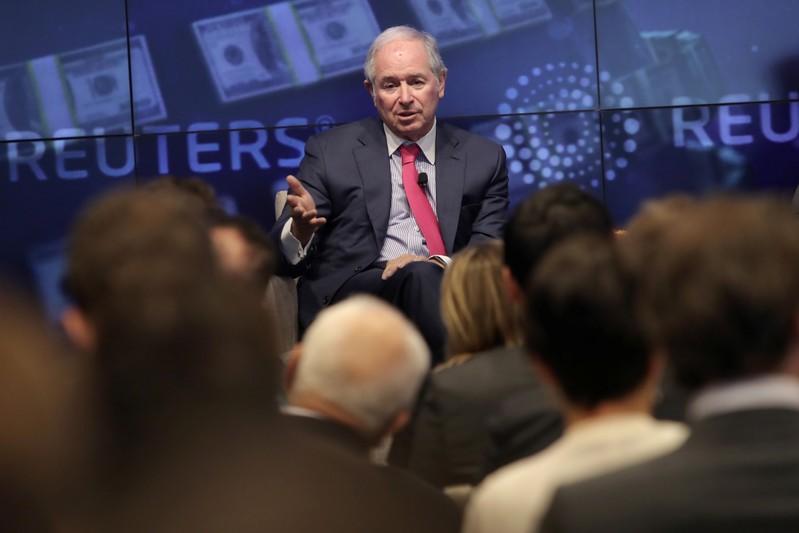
421,273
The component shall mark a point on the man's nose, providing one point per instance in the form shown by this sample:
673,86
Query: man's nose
405,94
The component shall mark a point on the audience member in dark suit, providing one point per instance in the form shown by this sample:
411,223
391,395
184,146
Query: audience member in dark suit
538,223
722,303
588,345
485,367
354,222
355,378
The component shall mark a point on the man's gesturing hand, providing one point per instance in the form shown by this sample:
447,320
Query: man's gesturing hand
303,211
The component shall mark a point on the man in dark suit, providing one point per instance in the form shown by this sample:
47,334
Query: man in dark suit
381,203
722,301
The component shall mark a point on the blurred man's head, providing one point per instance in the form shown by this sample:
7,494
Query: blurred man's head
129,237
243,249
642,242
546,218
195,187
582,326
362,364
722,300
167,331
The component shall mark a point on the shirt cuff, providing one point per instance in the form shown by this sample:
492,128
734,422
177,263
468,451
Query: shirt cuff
445,260
291,247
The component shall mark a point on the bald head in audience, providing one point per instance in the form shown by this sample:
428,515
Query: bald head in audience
361,364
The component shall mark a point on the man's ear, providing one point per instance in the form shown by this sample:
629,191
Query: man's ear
290,371
515,292
442,83
79,329
399,421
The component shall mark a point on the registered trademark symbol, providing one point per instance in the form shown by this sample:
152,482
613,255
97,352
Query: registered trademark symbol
323,123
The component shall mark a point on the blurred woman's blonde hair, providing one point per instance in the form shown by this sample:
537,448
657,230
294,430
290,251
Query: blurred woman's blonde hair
475,308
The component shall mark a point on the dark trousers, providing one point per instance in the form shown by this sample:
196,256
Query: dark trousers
414,290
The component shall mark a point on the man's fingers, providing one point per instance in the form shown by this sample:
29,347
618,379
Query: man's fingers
388,271
295,186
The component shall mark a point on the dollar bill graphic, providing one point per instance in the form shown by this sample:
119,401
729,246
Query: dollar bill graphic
18,109
243,54
97,85
450,21
339,32
512,13
148,103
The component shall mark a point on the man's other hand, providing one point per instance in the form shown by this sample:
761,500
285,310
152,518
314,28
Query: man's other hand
303,211
400,262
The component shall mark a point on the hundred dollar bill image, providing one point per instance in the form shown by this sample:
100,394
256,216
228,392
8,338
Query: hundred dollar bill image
18,109
450,21
512,13
243,54
338,32
97,85
148,103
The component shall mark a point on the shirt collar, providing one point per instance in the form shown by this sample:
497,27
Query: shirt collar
295,410
771,391
426,143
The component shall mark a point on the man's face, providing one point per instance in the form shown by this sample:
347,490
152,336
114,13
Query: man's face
405,90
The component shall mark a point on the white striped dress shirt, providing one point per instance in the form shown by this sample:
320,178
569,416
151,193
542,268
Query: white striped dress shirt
403,235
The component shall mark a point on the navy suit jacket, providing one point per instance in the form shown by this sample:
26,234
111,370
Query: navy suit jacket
347,171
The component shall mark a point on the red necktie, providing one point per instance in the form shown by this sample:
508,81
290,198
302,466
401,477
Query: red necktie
420,207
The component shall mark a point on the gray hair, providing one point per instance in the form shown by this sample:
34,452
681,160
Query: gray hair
366,358
397,33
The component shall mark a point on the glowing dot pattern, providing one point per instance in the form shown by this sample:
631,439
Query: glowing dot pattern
547,147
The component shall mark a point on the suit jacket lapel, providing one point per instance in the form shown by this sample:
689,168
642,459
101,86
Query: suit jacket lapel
374,168
450,167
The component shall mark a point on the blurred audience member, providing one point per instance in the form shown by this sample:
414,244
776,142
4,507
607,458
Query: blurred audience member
127,238
642,244
723,305
243,249
43,419
357,374
520,426
588,345
194,187
358,370
184,364
485,366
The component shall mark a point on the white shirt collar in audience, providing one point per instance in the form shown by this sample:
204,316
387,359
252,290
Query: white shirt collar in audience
770,391
293,410
426,143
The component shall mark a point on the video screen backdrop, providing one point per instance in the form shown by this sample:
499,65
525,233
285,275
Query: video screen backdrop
631,99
